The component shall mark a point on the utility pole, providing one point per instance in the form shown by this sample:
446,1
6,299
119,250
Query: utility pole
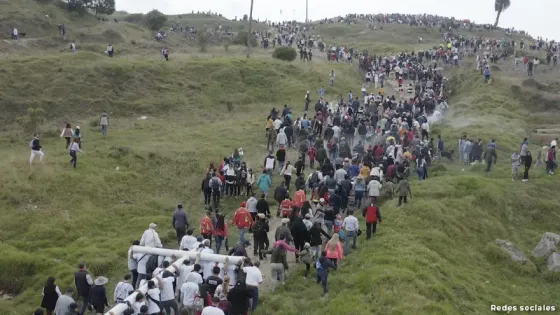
306,11
250,35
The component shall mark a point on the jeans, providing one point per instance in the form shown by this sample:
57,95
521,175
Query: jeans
277,273
316,252
104,130
526,173
329,224
242,234
370,229
216,197
74,159
280,166
322,278
420,172
219,240
350,235
254,296
358,195
168,305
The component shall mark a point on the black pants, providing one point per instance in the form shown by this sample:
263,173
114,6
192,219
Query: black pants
134,277
180,233
208,237
424,134
207,196
335,261
488,166
74,159
526,173
249,189
99,309
402,199
370,229
67,142
216,197
287,179
258,247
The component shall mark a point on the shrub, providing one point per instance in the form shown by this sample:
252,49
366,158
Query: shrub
241,39
285,53
134,18
32,119
155,20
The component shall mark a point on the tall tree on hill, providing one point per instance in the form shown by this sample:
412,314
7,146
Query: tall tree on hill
500,6
155,20
103,6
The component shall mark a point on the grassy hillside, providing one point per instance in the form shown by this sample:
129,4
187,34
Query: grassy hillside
433,256
64,216
437,255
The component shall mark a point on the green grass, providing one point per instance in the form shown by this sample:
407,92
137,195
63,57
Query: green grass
434,256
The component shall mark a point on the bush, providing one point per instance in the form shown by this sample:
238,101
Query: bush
241,39
285,53
134,18
155,20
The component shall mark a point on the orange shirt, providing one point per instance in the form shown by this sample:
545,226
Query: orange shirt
299,198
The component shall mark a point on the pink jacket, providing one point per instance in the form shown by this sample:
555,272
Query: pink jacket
285,245
336,254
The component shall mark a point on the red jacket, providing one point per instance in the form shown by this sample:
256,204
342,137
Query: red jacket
378,152
286,207
221,232
206,226
372,214
299,198
242,218
312,153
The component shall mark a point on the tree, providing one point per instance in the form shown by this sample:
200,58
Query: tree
500,6
155,20
103,6
79,6
245,17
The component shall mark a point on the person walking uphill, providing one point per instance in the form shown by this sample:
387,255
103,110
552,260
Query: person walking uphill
351,227
528,161
207,227
372,213
73,150
243,220
490,156
403,189
83,283
68,134
36,149
51,293
323,266
180,223
104,123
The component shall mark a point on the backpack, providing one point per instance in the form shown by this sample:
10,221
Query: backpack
129,310
315,178
151,265
258,226
214,184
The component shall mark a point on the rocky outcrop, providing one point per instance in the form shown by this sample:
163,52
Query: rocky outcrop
515,253
554,262
547,245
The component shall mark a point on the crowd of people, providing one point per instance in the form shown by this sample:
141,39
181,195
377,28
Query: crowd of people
352,153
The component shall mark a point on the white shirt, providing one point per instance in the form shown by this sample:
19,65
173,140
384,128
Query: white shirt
189,291
207,266
142,259
183,272
188,242
136,306
167,293
350,223
277,124
122,290
150,238
374,188
254,276
212,310
336,131
199,279
153,308
269,163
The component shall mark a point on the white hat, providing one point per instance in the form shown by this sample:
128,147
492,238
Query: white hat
101,281
153,225
322,200
285,221
77,127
